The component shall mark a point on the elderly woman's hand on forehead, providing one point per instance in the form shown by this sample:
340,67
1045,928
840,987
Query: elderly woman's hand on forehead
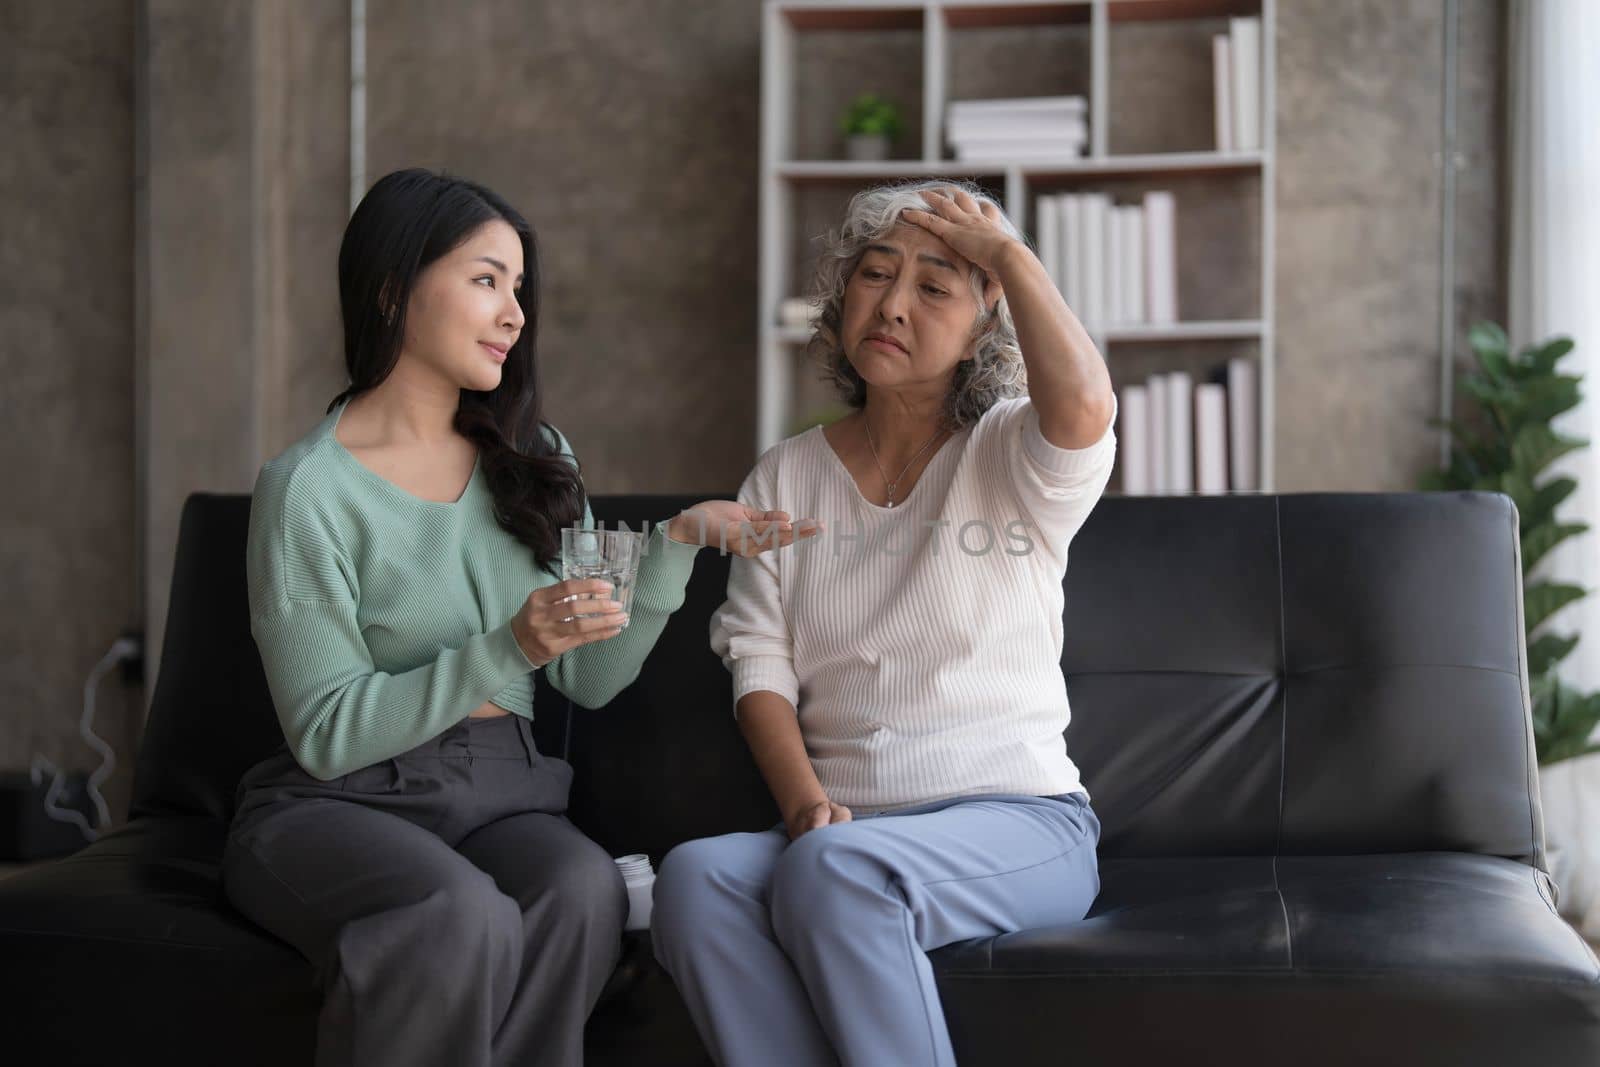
971,228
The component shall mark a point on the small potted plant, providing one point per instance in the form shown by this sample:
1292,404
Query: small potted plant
869,124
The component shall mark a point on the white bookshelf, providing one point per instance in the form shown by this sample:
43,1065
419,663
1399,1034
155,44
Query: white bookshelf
784,177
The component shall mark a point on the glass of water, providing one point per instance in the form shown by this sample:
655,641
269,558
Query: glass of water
609,554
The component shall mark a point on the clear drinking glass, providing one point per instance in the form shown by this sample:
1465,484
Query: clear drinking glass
609,554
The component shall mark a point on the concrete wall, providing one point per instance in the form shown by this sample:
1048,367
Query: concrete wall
1359,221
244,126
626,133
177,183
68,532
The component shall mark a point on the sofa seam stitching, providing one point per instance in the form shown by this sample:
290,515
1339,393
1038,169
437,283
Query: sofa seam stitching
1269,972
1529,760
1283,733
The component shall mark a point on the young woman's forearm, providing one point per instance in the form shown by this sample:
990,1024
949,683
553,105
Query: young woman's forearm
772,730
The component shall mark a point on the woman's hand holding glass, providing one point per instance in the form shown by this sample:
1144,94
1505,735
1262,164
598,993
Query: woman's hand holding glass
545,626
744,531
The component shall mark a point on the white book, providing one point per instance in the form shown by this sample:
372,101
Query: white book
1047,236
1244,453
1093,255
1180,432
1211,439
1133,436
1161,257
1016,142
1068,128
1222,91
1246,40
1133,264
1160,481
1114,273
1108,229
1038,153
1071,212
1023,105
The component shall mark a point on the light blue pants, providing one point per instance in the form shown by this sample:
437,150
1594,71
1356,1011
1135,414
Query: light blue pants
814,952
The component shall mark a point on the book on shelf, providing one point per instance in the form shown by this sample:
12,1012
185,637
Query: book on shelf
1161,257
1070,279
1210,439
1180,432
982,129
1244,461
1114,264
1236,85
1133,439
1222,92
1133,282
1176,436
1157,430
1018,152
1025,130
1114,310
1041,106
1091,244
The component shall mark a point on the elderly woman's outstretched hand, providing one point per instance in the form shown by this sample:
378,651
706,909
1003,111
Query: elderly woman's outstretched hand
729,526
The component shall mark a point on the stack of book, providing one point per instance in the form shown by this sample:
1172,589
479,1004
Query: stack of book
1236,85
1175,437
1027,130
1115,264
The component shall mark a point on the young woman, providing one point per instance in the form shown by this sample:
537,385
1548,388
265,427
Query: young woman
409,839
901,689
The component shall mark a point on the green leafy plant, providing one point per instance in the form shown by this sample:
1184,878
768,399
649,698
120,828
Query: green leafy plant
1511,444
870,113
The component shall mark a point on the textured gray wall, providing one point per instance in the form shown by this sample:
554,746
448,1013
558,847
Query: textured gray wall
244,125
1359,192
627,132
68,555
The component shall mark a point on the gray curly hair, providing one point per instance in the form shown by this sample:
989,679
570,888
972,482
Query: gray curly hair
996,370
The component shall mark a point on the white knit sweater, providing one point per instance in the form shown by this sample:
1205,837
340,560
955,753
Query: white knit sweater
922,667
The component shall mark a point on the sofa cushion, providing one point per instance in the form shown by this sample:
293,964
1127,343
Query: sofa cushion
130,944
1307,672
1409,957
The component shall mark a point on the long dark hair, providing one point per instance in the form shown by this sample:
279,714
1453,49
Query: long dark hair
407,220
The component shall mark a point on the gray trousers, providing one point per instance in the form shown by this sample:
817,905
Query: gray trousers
452,912
814,953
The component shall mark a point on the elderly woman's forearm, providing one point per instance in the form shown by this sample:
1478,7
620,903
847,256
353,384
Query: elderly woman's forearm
772,730
1067,377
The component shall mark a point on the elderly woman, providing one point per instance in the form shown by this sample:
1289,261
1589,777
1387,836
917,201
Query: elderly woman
899,680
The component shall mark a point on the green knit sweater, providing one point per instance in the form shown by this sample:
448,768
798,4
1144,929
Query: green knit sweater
383,619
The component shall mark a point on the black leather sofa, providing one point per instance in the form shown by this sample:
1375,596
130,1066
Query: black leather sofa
1303,720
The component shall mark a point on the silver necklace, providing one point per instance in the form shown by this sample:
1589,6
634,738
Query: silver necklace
888,485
